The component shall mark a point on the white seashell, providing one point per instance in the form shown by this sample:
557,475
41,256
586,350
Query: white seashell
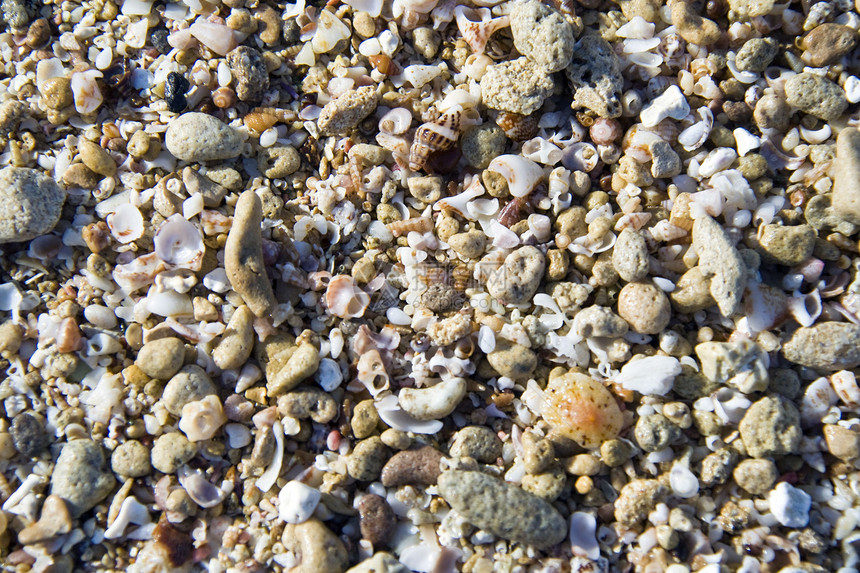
665,231
816,401
101,343
647,60
852,89
238,435
420,6
652,375
168,303
684,483
202,418
130,512
522,174
459,203
541,151
100,316
476,66
583,530
584,245
477,25
372,7
540,227
717,160
372,373
397,145
420,74
344,299
216,281
580,156
199,489
697,134
816,136
330,32
845,385
48,69
730,405
179,243
434,402
392,414
389,42
396,121
217,37
671,103
88,96
637,28
138,273
805,308
181,39
746,141
265,482
329,375
126,223
297,502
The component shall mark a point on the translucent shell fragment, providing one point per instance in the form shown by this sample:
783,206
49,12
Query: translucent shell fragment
582,409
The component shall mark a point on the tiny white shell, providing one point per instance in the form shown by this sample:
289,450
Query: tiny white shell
202,418
652,375
396,121
541,151
671,103
126,223
178,243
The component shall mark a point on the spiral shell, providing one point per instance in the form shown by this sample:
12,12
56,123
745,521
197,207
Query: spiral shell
516,126
433,136
224,97
605,131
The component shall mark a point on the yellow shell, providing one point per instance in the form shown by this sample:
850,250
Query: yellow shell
582,409
434,136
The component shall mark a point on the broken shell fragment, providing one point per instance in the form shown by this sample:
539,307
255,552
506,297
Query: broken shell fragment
522,174
178,243
344,299
202,418
126,223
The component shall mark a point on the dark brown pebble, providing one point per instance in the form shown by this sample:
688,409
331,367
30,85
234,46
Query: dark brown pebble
412,467
376,519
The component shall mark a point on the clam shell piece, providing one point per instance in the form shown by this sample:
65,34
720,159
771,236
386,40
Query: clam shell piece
202,418
477,25
392,414
138,273
217,37
434,136
459,203
522,174
126,223
579,157
582,409
344,299
179,243
697,134
651,375
88,96
199,489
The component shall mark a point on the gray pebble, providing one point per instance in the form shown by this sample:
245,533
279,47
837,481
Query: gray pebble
161,358
717,467
478,442
595,77
518,86
742,364
637,499
366,461
756,54
538,453
771,427
665,162
131,459
721,261
542,35
347,111
846,175
250,73
815,95
786,245
30,204
376,519
243,256
80,477
502,508
171,451
518,280
304,403
419,466
190,384
825,346
483,143
655,432
195,136
513,360
29,435
600,322
756,476
548,485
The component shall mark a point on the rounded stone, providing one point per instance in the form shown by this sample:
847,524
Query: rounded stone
513,360
250,73
418,466
483,143
57,93
29,435
364,420
195,136
756,54
190,384
826,346
518,86
376,519
30,204
161,358
542,35
518,279
787,245
756,476
771,427
815,95
80,476
630,256
828,43
96,158
478,442
645,307
655,432
171,451
367,459
316,547
131,459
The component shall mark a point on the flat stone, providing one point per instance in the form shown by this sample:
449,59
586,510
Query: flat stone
742,364
846,176
195,136
786,245
212,192
513,360
825,346
161,358
80,477
243,256
412,467
30,204
376,519
347,111
502,508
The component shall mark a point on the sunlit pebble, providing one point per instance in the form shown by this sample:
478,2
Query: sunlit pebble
68,336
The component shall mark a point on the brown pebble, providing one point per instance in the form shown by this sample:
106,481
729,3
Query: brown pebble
376,519
412,467
79,175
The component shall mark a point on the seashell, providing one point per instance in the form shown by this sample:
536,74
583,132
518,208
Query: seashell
180,280
168,303
580,157
372,373
605,131
68,336
420,6
777,159
372,7
396,121
477,64
665,231
697,134
297,502
542,151
650,376
477,25
126,223
419,74
583,534
434,136
178,243
816,401
746,141
670,104
730,405
200,490
580,408
217,37
522,174
637,142
805,308
816,136
415,224
637,28
516,126
202,418
459,203
101,343
130,512
434,402
443,13
138,273
765,306
344,299
717,160
391,413
633,221
215,222
845,386
87,95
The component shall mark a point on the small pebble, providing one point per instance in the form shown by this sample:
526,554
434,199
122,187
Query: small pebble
175,88
30,435
297,502
789,505
637,499
513,360
645,307
188,385
827,44
170,451
161,358
846,175
30,204
518,86
825,346
595,77
756,54
347,111
195,136
815,95
478,442
519,277
376,519
250,73
366,461
131,459
412,467
771,427
80,477
315,546
243,255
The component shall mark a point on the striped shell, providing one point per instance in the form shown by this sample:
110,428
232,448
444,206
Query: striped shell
434,136
516,126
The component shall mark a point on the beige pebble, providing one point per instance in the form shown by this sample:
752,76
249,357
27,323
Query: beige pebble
54,520
161,358
237,342
243,256
318,549
645,307
96,158
291,367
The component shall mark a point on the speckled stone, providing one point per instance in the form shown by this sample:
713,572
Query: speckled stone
691,26
345,112
772,112
131,459
692,292
843,443
721,262
825,346
518,279
599,321
655,432
250,73
80,477
483,143
365,419
376,519
542,35
815,95
595,76
316,547
190,384
502,508
756,54
30,435
828,43
637,499
645,307
161,358
419,466
170,451
478,442
513,360
771,427
756,476
630,256
518,86
308,402
367,459
470,244
786,245
748,9
846,176
30,204
195,136
741,363
243,256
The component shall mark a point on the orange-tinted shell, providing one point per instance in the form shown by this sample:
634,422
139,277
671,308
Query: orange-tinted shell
434,136
516,126
582,409
384,64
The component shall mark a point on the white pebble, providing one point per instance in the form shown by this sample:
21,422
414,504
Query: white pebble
268,137
192,206
297,502
583,541
225,76
789,505
100,316
238,435
329,375
852,89
746,141
396,316
684,483
217,281
653,375
370,47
